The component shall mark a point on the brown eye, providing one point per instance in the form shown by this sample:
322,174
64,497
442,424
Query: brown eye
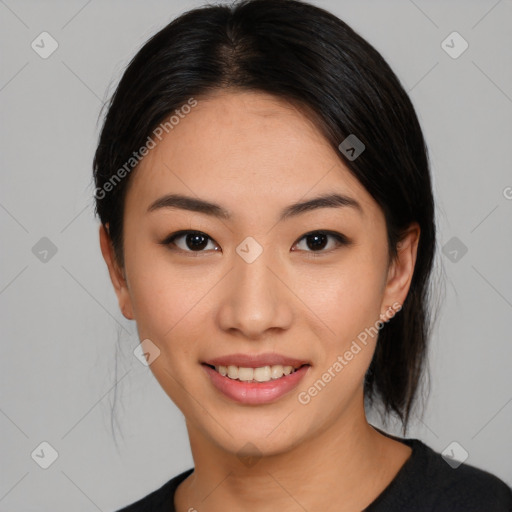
316,241
189,241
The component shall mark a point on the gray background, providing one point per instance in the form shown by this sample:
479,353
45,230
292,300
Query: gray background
59,318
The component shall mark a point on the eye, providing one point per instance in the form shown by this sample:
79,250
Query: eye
318,240
197,241
194,241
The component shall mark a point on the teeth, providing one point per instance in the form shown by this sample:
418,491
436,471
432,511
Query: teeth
261,374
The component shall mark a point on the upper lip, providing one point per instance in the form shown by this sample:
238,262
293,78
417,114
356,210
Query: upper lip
255,361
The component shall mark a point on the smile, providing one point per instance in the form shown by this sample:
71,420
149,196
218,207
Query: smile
255,386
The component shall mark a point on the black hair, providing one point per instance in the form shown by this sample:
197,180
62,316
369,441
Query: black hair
307,56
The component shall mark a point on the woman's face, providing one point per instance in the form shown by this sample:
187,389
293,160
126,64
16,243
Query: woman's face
253,283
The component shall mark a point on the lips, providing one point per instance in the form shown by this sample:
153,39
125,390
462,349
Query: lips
256,360
255,393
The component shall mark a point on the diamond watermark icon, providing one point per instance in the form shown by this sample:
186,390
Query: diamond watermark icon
249,249
454,45
44,455
44,250
352,147
146,352
44,45
454,454
454,249
249,455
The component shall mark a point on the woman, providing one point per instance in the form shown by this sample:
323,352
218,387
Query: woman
267,220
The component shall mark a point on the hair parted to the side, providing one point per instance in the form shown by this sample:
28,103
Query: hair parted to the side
309,57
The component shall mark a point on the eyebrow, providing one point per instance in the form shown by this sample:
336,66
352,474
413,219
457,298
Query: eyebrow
201,206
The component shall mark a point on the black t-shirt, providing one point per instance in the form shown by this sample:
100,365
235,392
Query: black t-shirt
425,483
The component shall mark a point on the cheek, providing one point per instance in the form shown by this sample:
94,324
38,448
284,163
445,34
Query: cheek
170,302
158,296
349,306
347,298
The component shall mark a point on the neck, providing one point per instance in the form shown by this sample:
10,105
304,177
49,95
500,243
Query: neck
342,468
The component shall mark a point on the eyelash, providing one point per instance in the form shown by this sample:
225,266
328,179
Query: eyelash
341,239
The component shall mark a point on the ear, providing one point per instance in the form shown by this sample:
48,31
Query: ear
116,275
401,269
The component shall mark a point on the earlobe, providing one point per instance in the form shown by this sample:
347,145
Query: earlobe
116,274
401,269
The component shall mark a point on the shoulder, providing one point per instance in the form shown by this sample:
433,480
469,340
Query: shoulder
458,488
466,487
159,500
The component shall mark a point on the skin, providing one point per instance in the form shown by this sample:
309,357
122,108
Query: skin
254,155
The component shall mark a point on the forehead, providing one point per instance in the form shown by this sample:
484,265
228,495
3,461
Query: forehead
243,148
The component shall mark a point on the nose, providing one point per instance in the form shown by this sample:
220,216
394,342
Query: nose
255,298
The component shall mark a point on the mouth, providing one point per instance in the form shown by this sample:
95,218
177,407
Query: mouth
255,386
256,379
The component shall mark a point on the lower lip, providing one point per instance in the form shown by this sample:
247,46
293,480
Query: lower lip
255,393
